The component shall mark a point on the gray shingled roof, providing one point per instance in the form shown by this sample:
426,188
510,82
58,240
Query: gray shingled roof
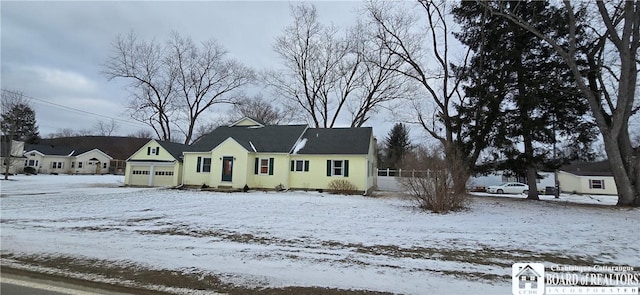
118,147
273,138
175,149
51,150
340,141
600,168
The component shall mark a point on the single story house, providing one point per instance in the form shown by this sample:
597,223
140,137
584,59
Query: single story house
117,147
60,159
587,178
157,163
249,153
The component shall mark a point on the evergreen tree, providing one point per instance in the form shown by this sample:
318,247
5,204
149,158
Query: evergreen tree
20,121
397,146
525,88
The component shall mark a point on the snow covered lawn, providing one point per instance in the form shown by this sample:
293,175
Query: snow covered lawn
309,239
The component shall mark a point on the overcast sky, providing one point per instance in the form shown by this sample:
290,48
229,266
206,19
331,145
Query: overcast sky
54,51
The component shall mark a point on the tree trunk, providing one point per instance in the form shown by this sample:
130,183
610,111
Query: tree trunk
532,171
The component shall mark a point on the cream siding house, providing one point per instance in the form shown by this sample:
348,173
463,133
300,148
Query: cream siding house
51,159
248,153
157,163
90,162
587,178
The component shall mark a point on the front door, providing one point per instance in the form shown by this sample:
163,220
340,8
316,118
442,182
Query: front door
227,168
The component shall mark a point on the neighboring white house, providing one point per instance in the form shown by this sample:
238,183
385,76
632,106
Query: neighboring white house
50,159
587,178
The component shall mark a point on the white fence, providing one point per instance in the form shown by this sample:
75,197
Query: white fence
402,172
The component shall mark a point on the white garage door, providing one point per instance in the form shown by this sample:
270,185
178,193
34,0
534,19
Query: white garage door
140,175
163,176
153,175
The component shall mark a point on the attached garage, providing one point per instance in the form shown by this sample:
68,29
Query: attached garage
155,164
152,174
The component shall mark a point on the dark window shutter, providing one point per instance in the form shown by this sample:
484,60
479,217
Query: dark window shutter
157,151
346,168
198,164
256,166
148,150
306,166
328,167
271,166
293,165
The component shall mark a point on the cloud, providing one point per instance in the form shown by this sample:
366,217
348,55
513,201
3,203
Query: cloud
61,79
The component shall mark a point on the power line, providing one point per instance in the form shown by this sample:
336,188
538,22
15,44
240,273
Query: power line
78,111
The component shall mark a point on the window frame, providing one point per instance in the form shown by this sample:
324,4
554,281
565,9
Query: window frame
262,168
332,168
203,165
599,185
300,165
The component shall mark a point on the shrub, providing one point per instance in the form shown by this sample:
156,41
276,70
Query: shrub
442,188
342,186
30,170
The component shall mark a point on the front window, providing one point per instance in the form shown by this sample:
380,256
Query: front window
264,166
596,183
338,168
206,165
203,165
300,165
80,164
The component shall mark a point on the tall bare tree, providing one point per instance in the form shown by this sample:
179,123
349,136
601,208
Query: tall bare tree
327,71
609,36
426,60
152,83
173,84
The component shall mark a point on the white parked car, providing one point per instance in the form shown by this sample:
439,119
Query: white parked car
509,188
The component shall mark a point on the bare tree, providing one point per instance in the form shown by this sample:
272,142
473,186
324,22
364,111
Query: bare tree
172,85
609,36
152,83
379,80
103,128
426,60
65,132
142,133
258,108
205,77
327,72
